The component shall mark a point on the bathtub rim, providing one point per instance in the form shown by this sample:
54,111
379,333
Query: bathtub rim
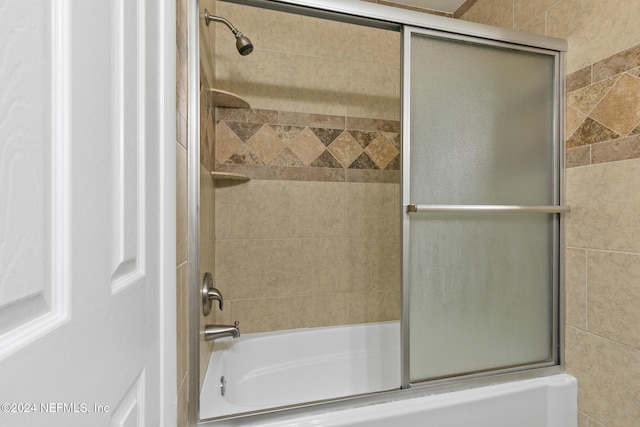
417,390
345,331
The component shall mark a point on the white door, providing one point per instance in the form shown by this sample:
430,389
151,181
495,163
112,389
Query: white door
86,170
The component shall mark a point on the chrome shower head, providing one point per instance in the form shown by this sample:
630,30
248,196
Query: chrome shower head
243,44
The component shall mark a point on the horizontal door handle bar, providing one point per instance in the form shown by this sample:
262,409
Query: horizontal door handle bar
487,209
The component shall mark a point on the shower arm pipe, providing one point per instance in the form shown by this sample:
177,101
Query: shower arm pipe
209,17
487,209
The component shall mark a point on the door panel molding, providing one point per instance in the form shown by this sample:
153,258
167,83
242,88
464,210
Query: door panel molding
130,411
128,137
34,221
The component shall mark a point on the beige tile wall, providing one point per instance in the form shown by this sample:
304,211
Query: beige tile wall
308,65
294,254
603,228
409,7
207,42
305,254
182,264
595,29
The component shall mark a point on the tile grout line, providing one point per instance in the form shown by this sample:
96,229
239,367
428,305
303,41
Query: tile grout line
586,289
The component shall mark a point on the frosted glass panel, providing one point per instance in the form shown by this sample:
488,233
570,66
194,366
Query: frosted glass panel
480,292
481,124
481,133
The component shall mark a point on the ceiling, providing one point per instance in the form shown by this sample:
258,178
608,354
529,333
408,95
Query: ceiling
449,6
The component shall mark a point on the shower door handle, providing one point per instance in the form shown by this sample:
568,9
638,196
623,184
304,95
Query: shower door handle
487,208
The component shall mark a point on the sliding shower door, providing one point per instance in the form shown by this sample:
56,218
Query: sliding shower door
481,194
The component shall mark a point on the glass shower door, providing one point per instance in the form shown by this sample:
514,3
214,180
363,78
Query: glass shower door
481,179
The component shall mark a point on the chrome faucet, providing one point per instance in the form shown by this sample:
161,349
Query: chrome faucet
213,332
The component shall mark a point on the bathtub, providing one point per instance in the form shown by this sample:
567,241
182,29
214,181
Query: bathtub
267,370
271,369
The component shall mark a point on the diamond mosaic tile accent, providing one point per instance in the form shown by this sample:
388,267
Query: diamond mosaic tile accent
620,108
307,147
265,138
265,144
363,138
326,160
590,132
228,143
603,110
573,119
381,150
244,156
287,133
287,159
326,136
244,130
345,149
585,99
363,162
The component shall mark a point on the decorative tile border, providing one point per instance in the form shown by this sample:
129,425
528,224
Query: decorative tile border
268,144
603,110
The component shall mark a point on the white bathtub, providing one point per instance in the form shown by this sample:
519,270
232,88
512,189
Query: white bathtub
271,369
282,368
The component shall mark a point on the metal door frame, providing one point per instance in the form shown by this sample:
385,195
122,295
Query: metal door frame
557,208
390,18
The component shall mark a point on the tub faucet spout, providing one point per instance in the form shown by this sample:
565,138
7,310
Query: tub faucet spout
213,332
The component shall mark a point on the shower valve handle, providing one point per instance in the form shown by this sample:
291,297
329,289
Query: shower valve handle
210,294
213,294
